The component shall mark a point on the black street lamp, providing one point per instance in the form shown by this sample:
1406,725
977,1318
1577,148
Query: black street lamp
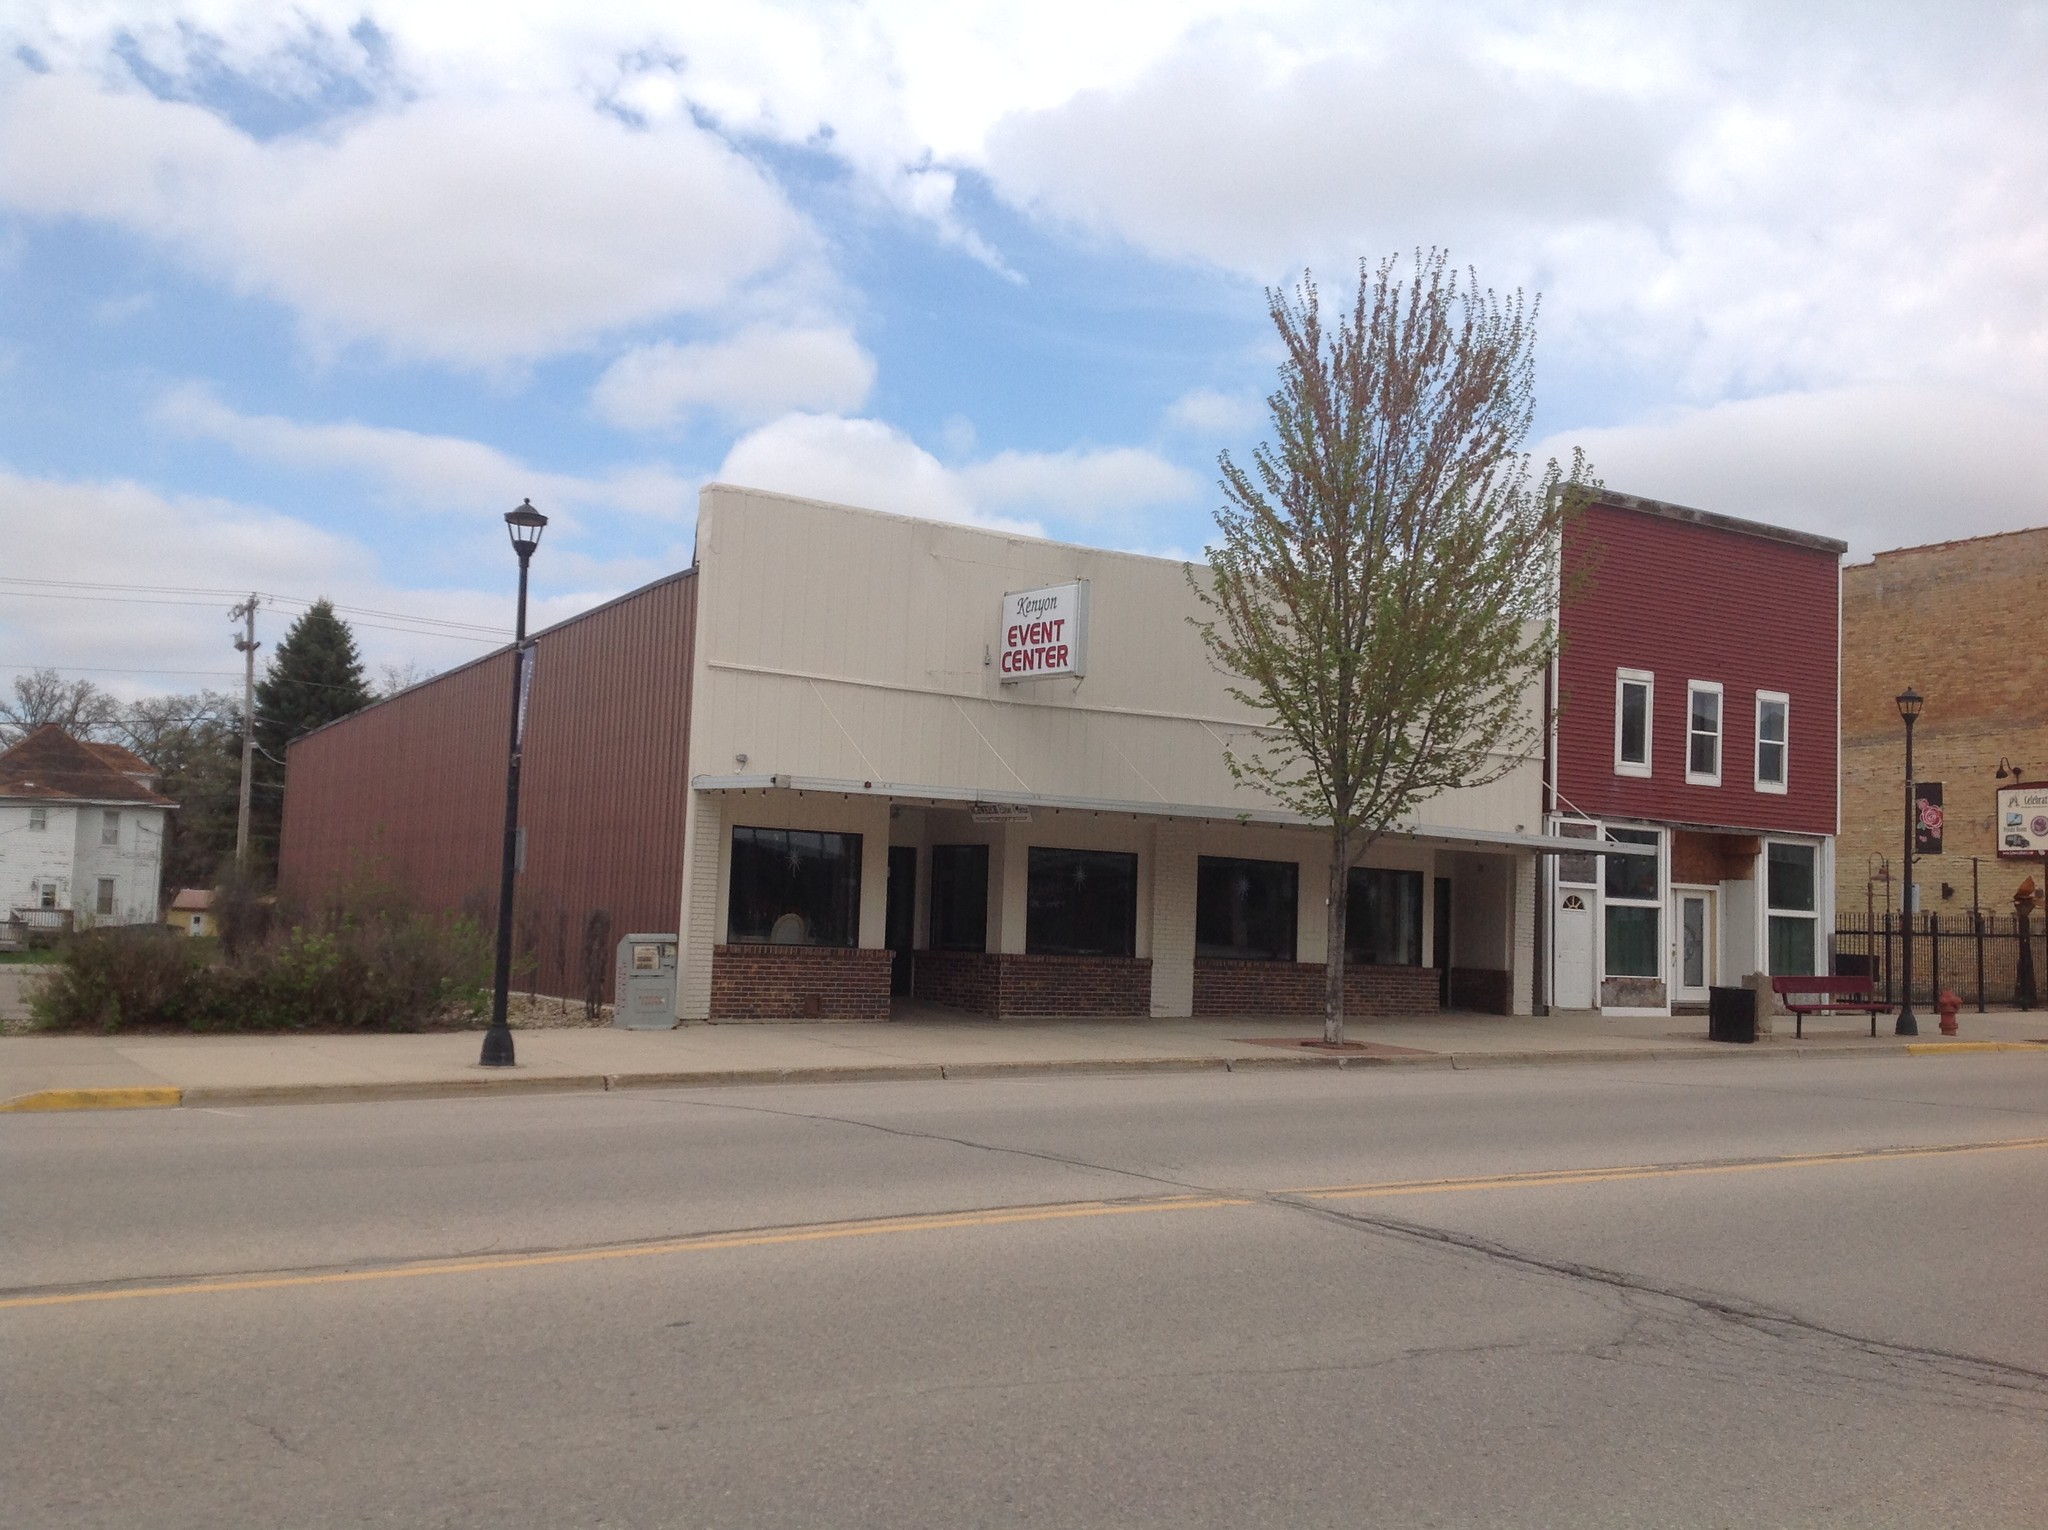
1909,708
525,524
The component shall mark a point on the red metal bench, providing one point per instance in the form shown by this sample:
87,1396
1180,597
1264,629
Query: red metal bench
1829,996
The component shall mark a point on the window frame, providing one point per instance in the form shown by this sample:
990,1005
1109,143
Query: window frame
39,820
1414,889
852,874
1719,693
1780,699
1774,912
1647,679
104,896
1038,939
1285,947
1654,850
110,828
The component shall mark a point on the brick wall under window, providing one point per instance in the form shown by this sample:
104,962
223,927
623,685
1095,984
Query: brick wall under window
751,982
1225,987
1008,983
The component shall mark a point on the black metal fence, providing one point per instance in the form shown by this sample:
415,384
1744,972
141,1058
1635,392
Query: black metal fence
1986,958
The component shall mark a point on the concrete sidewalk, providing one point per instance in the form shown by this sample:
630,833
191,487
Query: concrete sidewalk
85,1072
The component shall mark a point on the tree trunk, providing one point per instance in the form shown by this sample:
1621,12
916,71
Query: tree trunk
1333,960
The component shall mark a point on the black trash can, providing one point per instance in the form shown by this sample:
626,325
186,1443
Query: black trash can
1731,1014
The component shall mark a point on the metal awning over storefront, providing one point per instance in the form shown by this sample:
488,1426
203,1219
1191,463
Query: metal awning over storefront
970,797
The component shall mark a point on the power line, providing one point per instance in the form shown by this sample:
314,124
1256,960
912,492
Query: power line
145,595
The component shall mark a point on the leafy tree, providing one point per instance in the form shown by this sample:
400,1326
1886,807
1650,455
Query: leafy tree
42,696
195,743
315,676
1385,582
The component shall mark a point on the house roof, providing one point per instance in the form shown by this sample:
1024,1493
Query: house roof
52,766
125,760
192,900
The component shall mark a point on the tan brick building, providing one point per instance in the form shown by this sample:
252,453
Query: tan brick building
1963,624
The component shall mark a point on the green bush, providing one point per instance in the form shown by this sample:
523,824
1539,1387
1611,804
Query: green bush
372,967
118,979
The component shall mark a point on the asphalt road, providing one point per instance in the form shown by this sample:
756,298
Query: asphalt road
1711,1294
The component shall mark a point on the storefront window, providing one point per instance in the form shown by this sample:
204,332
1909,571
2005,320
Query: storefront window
794,887
1081,903
1789,882
959,897
1245,909
1383,918
1633,899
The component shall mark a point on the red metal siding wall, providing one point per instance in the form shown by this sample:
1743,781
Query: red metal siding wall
413,789
1692,602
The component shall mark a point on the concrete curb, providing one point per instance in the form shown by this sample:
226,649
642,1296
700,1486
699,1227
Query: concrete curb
137,1098
160,1097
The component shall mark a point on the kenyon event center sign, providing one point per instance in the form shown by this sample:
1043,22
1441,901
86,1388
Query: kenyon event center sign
1044,633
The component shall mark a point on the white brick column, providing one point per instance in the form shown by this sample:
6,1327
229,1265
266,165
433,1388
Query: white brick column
700,921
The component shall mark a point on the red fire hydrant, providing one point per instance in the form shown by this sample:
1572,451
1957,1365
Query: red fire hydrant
1948,1004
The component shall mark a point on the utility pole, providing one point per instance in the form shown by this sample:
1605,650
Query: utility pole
247,644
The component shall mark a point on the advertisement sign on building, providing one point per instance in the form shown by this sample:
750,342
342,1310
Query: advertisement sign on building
2023,819
1044,633
1927,818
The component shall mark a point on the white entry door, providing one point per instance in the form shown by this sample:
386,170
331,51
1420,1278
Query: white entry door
1573,945
1692,945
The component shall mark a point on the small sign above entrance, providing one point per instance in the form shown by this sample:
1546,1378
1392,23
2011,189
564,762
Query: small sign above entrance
1000,812
1044,633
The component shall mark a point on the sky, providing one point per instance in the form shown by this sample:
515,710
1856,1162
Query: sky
301,298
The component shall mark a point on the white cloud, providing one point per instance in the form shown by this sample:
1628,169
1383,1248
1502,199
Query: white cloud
184,547
479,231
1206,411
868,463
418,471
1078,485
755,375
1876,467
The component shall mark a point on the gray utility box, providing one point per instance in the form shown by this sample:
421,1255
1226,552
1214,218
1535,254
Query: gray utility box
646,985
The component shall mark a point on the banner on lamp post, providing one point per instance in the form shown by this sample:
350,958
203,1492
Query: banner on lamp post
1927,818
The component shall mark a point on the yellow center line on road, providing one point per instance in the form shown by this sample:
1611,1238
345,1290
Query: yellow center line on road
998,1216
1002,1216
1537,1178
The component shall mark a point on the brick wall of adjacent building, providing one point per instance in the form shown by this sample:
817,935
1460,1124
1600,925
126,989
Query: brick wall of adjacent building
1962,623
1225,987
751,982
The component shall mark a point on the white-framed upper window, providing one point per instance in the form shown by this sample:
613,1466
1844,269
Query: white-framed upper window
39,819
1773,740
1635,694
110,827
1703,733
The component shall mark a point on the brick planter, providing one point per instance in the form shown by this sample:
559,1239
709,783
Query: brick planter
751,982
1296,988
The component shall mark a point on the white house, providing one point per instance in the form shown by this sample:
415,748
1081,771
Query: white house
81,834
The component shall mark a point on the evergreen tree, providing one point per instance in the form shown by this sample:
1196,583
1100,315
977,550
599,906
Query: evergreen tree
315,676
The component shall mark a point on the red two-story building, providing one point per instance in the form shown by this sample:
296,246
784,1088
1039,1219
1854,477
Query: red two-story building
1693,742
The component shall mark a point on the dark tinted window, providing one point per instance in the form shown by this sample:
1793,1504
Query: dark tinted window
959,897
1082,903
794,887
1383,917
1790,877
1635,722
1245,908
1632,876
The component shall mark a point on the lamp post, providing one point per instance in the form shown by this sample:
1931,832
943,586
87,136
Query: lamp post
1909,708
525,524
